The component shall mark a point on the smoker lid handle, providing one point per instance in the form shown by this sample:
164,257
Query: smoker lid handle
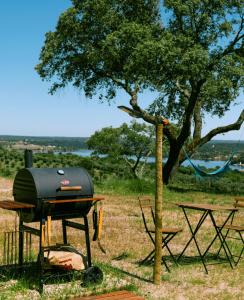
70,188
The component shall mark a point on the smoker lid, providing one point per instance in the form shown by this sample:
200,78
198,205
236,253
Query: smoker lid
47,182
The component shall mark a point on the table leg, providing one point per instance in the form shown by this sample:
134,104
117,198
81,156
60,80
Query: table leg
193,234
221,238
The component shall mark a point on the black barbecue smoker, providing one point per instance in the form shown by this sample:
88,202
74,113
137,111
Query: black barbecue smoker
45,194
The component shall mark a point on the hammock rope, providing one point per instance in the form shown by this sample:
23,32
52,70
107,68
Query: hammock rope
201,173
217,172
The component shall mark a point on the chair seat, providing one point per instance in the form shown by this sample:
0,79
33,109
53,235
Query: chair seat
168,230
232,227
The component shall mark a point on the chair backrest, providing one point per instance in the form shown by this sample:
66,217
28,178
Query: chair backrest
147,213
239,202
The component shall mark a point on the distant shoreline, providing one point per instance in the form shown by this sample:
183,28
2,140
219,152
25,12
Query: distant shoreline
16,137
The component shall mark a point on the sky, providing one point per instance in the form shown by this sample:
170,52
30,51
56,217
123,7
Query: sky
27,108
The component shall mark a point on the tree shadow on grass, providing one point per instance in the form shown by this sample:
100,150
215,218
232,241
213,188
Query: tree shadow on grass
210,259
182,189
123,272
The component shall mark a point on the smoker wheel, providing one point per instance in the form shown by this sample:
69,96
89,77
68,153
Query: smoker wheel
92,275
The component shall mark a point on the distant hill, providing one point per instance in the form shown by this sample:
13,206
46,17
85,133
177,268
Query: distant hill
63,142
225,142
212,149
221,150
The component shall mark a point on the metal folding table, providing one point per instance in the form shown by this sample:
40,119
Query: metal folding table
207,210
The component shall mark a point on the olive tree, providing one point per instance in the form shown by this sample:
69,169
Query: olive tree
131,144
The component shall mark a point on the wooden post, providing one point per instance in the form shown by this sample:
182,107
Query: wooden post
158,204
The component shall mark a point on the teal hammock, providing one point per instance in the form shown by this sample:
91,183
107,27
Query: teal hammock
199,172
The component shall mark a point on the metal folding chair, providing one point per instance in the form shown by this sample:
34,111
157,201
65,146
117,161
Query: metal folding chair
237,229
168,233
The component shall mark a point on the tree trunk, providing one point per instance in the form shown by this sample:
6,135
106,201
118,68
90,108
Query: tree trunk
134,167
158,205
172,161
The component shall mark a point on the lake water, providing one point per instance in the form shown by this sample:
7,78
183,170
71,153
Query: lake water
204,163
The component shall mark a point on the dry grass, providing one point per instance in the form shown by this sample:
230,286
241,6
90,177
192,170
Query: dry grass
127,243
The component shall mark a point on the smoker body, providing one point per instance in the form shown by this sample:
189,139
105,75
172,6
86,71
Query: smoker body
38,185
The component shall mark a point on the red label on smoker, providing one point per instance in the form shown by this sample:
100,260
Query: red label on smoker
65,182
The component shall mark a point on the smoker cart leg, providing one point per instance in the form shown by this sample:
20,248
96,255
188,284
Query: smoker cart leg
64,232
88,248
21,242
41,255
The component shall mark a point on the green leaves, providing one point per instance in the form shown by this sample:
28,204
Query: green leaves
188,52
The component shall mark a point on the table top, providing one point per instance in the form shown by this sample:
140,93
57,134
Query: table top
205,207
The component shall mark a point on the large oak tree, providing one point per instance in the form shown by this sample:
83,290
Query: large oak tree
188,51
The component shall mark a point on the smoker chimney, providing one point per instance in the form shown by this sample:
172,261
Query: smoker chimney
28,159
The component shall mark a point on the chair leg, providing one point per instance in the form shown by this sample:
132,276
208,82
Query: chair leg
165,243
239,257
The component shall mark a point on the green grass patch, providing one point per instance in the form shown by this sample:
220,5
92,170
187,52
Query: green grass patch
125,186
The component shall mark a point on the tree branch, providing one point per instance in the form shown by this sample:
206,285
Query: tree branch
191,148
119,83
237,38
197,121
230,47
185,92
222,129
186,127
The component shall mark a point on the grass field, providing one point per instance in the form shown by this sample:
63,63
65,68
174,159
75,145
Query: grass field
126,244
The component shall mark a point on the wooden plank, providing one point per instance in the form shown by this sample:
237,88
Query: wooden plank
74,200
122,297
14,205
118,295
